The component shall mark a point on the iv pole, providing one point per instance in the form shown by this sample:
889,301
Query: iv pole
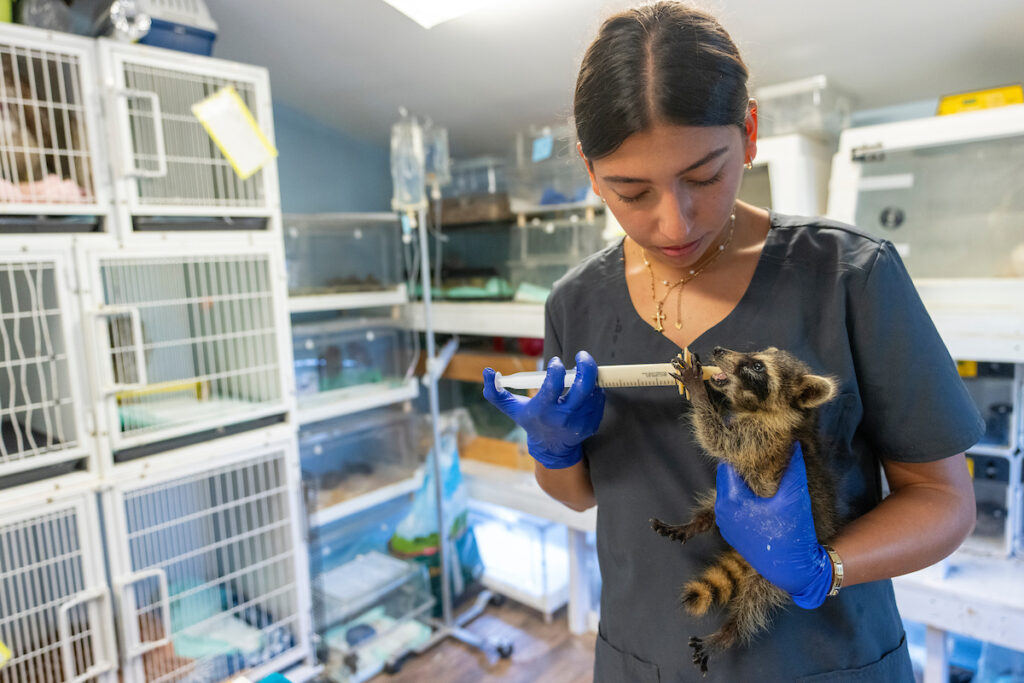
448,625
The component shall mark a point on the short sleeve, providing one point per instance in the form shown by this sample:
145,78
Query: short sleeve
916,407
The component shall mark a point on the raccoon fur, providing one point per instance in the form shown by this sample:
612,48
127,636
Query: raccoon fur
770,400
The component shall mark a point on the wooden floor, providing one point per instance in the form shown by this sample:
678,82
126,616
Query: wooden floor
543,653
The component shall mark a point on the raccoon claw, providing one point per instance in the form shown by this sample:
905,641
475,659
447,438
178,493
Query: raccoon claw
690,375
700,657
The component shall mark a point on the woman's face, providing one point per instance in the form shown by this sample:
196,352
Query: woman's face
672,188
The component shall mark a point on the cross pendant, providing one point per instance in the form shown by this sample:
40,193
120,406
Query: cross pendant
658,318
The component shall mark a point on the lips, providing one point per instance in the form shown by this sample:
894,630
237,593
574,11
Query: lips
682,250
719,379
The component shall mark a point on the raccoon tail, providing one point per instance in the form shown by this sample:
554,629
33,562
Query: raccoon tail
717,584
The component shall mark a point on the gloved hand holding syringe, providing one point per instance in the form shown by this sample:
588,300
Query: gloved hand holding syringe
558,421
616,376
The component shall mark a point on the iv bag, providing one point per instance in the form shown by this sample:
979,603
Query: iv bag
408,173
439,171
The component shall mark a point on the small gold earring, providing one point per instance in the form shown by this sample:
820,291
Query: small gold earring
749,165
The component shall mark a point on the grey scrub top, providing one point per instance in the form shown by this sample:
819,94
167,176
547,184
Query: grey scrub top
840,300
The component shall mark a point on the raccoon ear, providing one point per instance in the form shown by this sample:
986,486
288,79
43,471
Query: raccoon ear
815,390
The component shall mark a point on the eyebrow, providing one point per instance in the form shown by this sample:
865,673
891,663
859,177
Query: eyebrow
705,159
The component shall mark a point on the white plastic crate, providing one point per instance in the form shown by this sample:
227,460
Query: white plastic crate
52,154
205,557
356,455
997,493
185,342
810,106
337,254
168,171
42,412
525,557
55,609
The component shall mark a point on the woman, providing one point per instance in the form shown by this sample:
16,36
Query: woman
665,128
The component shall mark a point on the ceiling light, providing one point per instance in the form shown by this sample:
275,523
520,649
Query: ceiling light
430,13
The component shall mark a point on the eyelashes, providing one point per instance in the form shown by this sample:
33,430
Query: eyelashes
696,183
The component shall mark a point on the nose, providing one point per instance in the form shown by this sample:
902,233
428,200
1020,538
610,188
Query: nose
717,352
674,213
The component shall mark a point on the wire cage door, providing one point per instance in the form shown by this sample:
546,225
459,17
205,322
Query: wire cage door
51,157
168,165
187,343
55,613
210,582
40,407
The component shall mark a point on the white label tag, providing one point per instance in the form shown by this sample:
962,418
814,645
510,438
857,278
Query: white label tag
234,129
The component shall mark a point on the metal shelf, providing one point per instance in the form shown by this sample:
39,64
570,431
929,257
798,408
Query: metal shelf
367,500
339,302
324,409
491,319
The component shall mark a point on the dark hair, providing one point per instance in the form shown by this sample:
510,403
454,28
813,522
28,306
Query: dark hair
661,62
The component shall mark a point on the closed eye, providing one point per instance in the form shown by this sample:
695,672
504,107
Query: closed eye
710,181
634,198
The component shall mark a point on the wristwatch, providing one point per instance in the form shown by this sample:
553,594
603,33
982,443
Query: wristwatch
837,570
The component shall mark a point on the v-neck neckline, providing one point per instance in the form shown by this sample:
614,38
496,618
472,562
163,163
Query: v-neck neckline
749,293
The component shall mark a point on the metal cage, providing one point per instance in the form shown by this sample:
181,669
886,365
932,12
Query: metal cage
167,165
55,614
41,415
52,158
186,342
210,579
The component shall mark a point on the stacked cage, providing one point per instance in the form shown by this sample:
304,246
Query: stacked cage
151,507
946,192
361,444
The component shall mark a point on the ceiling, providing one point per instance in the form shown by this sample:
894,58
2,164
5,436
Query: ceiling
352,63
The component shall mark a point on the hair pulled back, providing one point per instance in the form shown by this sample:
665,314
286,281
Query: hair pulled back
664,62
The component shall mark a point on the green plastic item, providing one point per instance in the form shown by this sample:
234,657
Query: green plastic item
6,13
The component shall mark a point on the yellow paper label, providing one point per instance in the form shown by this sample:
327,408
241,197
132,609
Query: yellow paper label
5,655
967,368
970,466
234,130
981,99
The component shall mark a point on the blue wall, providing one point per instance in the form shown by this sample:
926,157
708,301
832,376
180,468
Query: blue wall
323,170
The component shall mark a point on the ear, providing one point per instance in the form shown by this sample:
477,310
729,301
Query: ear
815,390
589,167
750,132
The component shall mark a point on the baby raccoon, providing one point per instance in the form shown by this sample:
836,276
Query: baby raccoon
771,401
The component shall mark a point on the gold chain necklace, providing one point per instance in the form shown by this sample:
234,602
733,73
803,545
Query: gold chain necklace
659,315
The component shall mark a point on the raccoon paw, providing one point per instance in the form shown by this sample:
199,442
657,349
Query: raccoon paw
676,532
697,598
700,656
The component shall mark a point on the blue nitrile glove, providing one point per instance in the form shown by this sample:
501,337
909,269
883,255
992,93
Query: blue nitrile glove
555,425
776,535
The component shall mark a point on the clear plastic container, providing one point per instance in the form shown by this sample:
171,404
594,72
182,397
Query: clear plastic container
372,603
535,277
477,176
757,187
564,241
356,454
811,106
953,210
548,171
341,358
525,557
334,253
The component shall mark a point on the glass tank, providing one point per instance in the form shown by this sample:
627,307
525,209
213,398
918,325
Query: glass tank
525,557
356,454
342,358
342,253
952,210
